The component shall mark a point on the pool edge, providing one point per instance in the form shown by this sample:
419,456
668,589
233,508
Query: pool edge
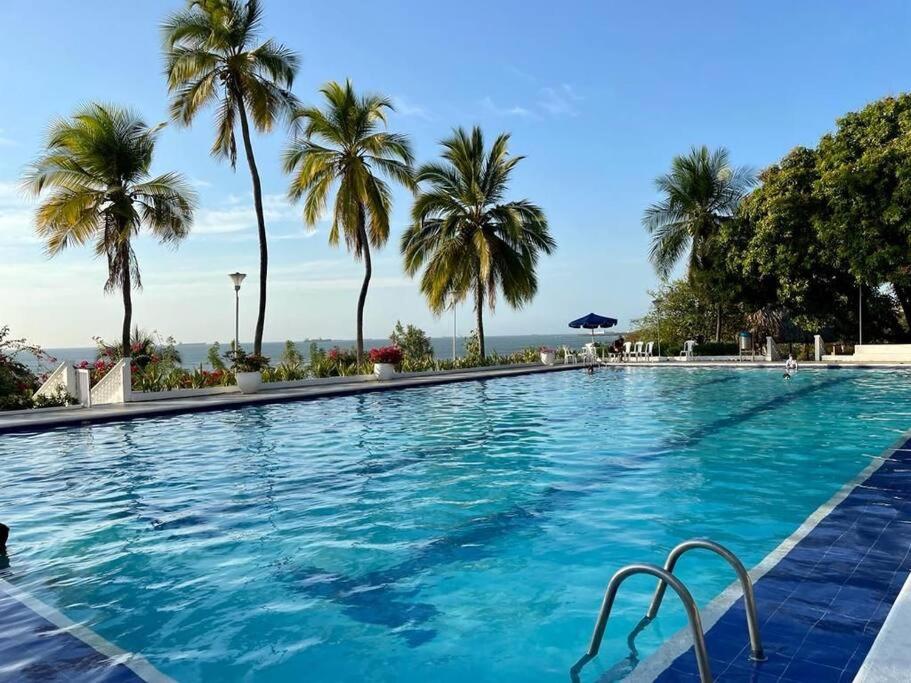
660,660
133,661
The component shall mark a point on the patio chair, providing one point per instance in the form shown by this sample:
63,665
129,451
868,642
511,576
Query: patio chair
638,350
569,356
688,347
626,352
649,349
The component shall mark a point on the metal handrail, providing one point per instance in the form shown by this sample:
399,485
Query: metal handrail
756,651
666,578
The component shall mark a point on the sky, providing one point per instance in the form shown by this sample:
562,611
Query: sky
598,96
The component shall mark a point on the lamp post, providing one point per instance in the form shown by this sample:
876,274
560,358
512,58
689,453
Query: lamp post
657,304
453,330
236,278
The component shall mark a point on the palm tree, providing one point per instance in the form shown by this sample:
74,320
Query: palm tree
469,241
701,193
95,173
213,56
344,146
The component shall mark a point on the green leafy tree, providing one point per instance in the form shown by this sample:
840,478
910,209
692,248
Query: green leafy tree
699,195
413,341
865,179
466,237
95,183
775,249
344,146
680,311
214,56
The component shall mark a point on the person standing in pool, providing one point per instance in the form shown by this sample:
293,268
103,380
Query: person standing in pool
790,367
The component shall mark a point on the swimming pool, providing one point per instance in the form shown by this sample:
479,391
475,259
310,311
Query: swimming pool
443,533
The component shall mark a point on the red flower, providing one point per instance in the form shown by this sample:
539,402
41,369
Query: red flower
386,354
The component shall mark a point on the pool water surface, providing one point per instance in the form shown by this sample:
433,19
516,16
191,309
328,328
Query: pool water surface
442,533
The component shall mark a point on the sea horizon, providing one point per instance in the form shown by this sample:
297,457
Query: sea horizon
194,354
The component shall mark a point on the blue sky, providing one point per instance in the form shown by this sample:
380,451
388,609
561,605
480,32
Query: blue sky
598,96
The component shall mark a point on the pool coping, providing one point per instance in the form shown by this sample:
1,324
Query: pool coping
133,661
660,660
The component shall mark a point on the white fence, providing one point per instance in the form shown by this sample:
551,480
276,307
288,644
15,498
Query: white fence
64,377
114,387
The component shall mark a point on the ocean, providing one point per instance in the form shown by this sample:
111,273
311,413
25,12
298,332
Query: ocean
194,354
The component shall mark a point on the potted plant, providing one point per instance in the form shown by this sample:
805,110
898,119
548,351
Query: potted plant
548,355
248,370
384,361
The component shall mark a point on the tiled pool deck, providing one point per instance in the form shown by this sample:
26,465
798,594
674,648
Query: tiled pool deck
822,605
822,597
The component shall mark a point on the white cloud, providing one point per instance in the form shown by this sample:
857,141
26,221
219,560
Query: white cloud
6,141
554,101
491,106
520,73
560,100
199,182
16,219
406,108
239,215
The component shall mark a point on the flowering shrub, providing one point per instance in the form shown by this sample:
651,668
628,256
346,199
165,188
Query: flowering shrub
97,369
247,362
164,377
18,383
386,354
335,362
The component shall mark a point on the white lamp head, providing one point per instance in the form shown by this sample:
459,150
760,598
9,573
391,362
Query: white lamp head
237,278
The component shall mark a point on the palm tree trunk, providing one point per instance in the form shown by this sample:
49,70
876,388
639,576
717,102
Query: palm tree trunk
718,322
127,298
261,227
479,316
368,272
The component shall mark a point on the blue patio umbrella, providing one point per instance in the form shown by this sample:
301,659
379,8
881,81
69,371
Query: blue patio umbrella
592,322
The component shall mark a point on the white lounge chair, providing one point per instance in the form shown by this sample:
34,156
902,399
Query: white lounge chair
626,352
688,347
649,349
638,350
569,356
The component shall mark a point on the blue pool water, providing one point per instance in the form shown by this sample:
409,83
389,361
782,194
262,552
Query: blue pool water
448,533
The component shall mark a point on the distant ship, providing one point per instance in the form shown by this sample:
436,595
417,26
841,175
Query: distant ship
317,339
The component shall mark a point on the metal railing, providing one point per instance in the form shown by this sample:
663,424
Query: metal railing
666,579
665,576
756,651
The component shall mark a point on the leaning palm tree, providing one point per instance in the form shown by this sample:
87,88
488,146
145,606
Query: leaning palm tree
701,193
344,147
466,237
213,56
95,176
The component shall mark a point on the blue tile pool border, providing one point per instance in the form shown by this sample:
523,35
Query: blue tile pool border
41,644
822,594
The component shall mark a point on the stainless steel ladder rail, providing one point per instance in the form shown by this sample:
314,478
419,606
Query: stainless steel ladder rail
666,578
756,651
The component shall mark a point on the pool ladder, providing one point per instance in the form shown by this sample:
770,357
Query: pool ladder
665,576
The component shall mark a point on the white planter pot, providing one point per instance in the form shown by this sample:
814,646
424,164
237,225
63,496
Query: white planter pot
383,371
249,382
548,357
